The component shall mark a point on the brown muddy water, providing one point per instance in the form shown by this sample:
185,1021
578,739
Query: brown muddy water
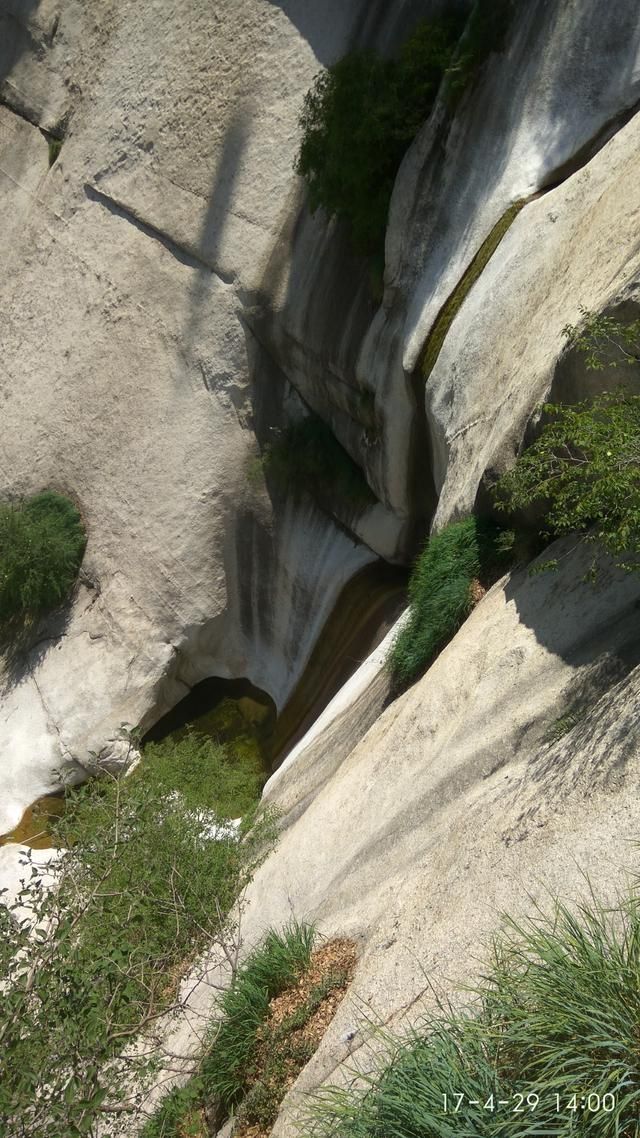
33,828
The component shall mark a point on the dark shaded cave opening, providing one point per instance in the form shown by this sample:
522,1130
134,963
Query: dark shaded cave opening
236,712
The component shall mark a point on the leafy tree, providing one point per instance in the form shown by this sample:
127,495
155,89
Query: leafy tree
606,341
42,541
359,118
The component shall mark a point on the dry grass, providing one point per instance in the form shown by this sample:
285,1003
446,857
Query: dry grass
296,1024
476,591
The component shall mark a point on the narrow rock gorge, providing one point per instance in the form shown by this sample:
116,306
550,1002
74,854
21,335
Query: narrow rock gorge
171,306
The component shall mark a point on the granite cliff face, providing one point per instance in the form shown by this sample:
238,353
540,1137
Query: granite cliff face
167,299
133,274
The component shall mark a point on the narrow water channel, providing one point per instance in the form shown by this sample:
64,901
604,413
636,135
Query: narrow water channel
366,609
236,712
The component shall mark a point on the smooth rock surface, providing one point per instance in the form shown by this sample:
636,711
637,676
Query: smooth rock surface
162,289
576,246
164,298
457,804
567,79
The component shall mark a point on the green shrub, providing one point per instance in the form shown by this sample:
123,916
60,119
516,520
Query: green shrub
307,456
440,591
557,1014
208,774
42,542
284,1050
583,471
143,889
358,120
223,1078
605,340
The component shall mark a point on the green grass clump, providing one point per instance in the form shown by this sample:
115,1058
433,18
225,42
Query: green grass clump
284,1052
454,302
555,1032
440,591
42,542
209,775
225,1069
267,972
307,456
358,120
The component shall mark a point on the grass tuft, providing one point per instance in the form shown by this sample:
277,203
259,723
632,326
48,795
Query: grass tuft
441,591
555,1033
42,542
222,1080
564,724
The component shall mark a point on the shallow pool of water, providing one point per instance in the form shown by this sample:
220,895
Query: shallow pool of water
33,828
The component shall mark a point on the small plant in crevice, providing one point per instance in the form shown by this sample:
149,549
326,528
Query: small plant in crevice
456,298
443,588
306,456
42,542
55,146
564,724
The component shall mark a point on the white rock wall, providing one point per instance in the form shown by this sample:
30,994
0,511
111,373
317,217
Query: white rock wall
125,363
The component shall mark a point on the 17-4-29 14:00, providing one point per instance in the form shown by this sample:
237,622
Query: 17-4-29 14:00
519,1103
